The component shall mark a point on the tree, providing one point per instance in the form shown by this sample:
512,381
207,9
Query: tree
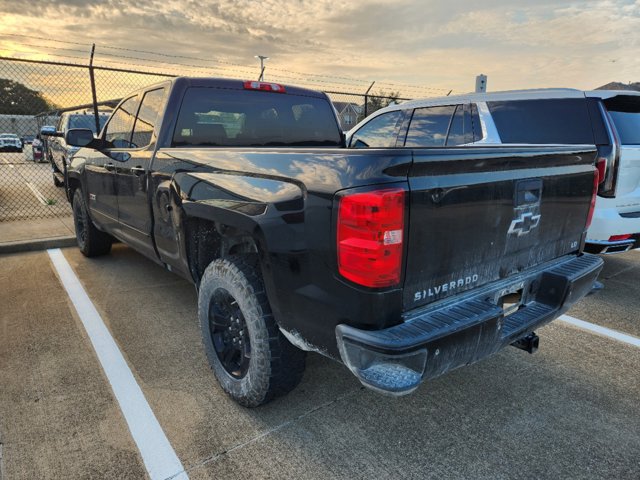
18,99
376,101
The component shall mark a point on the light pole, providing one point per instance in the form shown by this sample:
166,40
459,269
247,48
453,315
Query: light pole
262,60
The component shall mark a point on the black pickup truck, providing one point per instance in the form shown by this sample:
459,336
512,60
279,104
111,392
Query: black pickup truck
402,262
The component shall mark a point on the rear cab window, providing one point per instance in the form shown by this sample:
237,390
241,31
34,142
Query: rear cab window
211,117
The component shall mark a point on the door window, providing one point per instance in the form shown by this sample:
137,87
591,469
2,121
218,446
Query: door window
118,132
147,117
461,131
429,126
380,132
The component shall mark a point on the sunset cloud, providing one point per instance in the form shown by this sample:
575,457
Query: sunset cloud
428,44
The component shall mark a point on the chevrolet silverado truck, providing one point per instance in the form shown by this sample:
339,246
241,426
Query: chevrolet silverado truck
420,248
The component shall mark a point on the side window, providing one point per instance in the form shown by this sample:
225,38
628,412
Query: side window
461,131
429,126
476,126
381,132
544,121
147,117
118,132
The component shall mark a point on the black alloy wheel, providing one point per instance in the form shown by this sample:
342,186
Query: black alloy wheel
228,330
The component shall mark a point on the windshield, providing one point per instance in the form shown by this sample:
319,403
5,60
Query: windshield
86,121
8,135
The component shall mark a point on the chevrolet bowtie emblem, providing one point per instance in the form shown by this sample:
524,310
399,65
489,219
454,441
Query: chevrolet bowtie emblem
524,224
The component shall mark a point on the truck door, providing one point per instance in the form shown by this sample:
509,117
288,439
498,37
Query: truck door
100,166
132,172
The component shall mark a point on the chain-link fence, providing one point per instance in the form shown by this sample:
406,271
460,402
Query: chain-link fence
34,94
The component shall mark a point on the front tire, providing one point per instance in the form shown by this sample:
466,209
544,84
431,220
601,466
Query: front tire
91,241
252,360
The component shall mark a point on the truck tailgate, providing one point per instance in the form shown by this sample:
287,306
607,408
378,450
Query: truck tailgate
481,214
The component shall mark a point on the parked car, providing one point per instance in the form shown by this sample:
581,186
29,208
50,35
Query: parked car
28,139
59,152
10,142
424,247
616,220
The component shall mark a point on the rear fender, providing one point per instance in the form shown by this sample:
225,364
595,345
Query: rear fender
232,213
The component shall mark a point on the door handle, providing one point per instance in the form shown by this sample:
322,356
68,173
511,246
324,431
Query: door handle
109,166
137,170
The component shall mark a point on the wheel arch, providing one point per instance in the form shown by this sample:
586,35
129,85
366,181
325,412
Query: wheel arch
208,238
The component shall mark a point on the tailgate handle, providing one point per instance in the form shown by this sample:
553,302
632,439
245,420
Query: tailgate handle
528,192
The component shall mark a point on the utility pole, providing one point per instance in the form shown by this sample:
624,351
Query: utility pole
366,99
481,83
94,96
262,60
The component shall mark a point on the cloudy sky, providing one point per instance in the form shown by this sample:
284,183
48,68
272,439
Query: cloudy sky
420,48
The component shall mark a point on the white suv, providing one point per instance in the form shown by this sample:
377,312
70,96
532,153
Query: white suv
616,220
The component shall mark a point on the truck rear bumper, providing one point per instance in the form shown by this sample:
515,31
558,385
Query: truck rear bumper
464,329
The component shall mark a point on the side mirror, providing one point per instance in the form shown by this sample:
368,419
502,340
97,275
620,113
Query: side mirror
50,131
80,137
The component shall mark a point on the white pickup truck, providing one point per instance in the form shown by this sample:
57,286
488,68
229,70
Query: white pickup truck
616,220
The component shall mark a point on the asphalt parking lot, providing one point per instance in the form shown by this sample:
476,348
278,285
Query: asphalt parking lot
569,411
27,189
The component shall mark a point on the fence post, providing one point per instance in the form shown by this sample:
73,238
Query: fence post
93,89
366,99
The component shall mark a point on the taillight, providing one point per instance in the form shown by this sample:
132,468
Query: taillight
610,154
592,207
601,165
619,238
370,237
264,86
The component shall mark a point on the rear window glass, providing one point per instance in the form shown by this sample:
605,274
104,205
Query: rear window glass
560,121
86,121
243,118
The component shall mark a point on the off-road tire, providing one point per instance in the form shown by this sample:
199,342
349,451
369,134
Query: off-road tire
275,365
91,241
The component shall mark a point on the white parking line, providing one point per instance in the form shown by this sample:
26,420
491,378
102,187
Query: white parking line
157,454
607,332
38,195
8,163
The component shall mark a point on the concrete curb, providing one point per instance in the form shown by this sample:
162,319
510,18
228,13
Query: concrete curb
35,245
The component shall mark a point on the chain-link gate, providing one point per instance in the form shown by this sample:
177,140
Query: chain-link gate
34,94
